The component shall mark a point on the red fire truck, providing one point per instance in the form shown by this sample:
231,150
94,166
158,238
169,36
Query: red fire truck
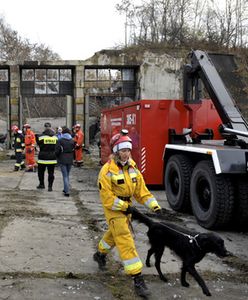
191,146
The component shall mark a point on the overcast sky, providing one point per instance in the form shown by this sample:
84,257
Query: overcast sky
75,29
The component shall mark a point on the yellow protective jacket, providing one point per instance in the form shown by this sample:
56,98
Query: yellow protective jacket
127,181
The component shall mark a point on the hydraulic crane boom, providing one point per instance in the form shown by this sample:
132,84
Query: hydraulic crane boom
202,67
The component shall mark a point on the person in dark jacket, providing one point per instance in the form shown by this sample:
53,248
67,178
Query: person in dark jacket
19,146
65,152
47,142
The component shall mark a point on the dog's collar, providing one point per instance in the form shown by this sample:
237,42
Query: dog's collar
193,239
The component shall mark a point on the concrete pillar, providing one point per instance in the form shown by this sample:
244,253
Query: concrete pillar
79,95
86,122
8,122
69,111
14,94
20,116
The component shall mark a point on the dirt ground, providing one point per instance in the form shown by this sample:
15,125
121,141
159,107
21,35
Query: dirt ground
47,242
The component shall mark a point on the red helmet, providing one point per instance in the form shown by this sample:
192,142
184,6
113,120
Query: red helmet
14,128
120,141
77,127
26,126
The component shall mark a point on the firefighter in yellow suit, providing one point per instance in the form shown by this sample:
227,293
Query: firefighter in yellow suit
119,181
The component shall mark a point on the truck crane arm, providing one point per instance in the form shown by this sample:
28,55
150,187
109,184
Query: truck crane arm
202,67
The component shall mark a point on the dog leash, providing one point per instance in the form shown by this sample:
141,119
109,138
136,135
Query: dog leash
130,226
190,237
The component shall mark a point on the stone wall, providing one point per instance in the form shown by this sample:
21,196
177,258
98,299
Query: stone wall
160,77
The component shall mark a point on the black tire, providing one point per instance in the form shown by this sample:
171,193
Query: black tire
177,182
212,196
240,219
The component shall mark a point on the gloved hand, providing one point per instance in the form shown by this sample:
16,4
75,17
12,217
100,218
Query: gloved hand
158,211
129,210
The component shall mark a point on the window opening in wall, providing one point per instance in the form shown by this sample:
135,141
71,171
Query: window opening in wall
4,82
40,75
115,75
103,74
52,81
65,75
4,75
52,75
90,75
27,75
118,83
128,74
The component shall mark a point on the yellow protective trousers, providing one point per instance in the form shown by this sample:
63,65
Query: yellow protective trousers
119,235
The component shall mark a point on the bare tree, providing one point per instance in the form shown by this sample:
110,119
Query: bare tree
198,10
13,47
125,7
42,52
241,25
179,15
176,22
165,8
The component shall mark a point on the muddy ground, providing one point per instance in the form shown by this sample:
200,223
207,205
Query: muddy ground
47,242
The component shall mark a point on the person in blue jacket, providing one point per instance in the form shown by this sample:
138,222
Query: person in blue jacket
64,152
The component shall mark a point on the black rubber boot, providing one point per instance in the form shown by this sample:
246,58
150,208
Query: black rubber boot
100,258
140,286
40,186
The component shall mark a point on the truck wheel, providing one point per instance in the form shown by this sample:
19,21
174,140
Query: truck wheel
177,182
241,204
212,196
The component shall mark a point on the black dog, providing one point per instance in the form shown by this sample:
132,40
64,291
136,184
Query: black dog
190,248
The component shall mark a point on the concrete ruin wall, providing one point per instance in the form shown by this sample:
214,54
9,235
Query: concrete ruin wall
160,77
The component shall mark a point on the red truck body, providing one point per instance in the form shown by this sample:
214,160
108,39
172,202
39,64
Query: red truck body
148,123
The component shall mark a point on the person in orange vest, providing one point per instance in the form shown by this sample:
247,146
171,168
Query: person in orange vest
30,143
79,140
